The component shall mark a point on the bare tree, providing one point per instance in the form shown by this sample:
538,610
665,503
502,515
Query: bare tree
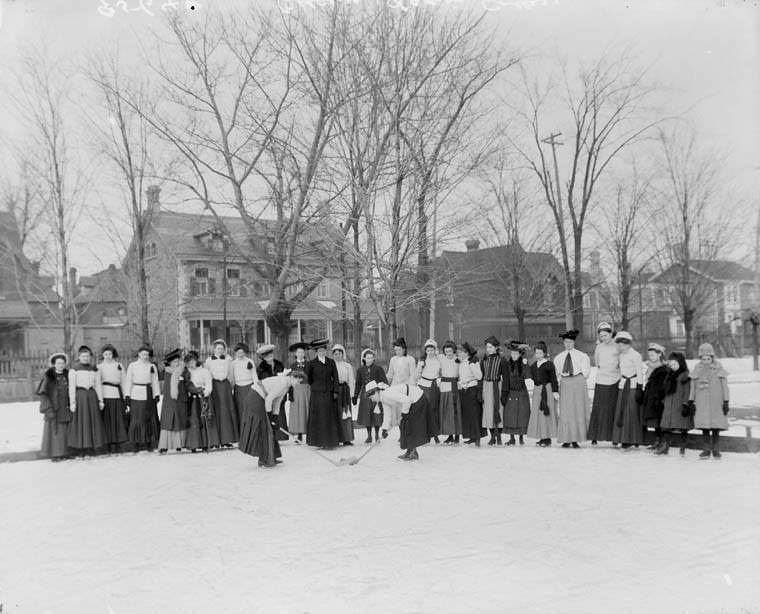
21,197
605,104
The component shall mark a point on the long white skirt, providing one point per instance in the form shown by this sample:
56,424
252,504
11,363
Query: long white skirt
573,409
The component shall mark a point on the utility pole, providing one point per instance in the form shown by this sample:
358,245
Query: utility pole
552,140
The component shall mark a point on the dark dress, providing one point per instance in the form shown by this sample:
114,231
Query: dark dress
256,434
366,415
628,428
515,398
54,405
471,400
174,412
677,387
654,393
415,426
602,421
225,414
86,429
115,417
324,426
543,414
265,370
202,432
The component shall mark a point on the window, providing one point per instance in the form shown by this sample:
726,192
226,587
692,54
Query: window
233,282
732,294
677,329
323,289
199,285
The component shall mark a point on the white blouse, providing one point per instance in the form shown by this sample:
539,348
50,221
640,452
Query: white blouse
469,374
449,366
429,371
402,370
201,377
631,366
607,359
111,373
219,368
397,395
81,378
581,363
138,373
346,374
272,390
240,374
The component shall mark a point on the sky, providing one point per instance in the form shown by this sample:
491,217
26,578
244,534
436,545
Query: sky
704,53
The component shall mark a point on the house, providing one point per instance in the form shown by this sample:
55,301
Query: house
29,305
100,301
482,292
201,287
598,304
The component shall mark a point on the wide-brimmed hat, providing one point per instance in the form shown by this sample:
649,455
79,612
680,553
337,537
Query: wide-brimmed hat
518,346
570,334
706,349
173,355
145,348
623,337
604,326
299,345
266,348
492,341
56,355
372,387
109,348
320,343
242,346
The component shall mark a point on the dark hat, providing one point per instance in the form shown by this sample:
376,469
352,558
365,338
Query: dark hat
449,344
109,348
84,348
570,334
300,345
400,343
320,343
468,348
173,355
242,346
541,345
493,341
191,355
55,356
145,348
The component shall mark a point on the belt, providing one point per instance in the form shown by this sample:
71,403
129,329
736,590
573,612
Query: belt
83,388
468,385
450,379
136,384
111,384
243,384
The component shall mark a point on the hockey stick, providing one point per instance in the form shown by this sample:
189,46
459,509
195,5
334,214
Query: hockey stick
355,460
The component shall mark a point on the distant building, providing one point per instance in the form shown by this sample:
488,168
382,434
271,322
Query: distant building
598,304
101,305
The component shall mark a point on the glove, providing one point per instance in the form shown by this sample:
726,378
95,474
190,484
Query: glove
686,410
101,405
290,396
504,399
545,411
639,395
556,396
127,401
725,408
274,420
156,398
355,400
692,407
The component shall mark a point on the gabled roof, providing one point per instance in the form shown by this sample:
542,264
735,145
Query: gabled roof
484,264
107,286
719,270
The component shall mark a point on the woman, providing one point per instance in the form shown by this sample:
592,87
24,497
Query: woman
53,390
299,393
141,394
543,409
470,377
654,392
628,431
269,366
574,368
676,413
494,373
428,374
413,406
111,380
401,370
346,383
324,427
607,361
175,419
514,393
370,415
708,399
87,433
218,365
242,377
449,409
202,433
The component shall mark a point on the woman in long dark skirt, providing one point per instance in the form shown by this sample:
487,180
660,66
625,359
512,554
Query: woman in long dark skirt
543,410
218,365
242,376
202,433
415,425
677,419
370,414
299,394
175,418
514,394
628,431
269,366
470,377
111,380
607,361
654,392
141,398
428,374
87,433
323,430
346,384
494,368
53,390
449,409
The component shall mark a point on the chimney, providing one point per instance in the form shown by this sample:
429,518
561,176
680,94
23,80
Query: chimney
595,270
73,281
472,245
153,193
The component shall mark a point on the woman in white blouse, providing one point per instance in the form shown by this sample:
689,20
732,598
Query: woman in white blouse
628,430
401,370
202,433
218,365
573,368
428,377
86,433
470,378
141,394
112,378
242,376
347,380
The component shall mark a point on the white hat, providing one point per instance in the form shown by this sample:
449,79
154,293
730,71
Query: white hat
430,343
366,351
339,347
265,349
656,347
604,326
623,336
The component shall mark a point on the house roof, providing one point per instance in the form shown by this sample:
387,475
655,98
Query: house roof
482,264
107,286
720,270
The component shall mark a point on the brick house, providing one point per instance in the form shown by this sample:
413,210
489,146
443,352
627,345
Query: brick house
101,305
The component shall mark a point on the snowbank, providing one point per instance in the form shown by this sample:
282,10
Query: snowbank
463,530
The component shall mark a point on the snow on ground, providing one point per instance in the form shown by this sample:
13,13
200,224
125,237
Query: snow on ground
524,530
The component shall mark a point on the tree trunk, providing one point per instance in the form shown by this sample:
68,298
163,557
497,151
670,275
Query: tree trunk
142,284
576,303
688,326
356,295
520,315
277,316
755,342
343,301
423,273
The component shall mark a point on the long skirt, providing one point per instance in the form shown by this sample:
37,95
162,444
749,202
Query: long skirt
602,420
517,412
224,412
573,409
472,412
450,412
86,430
432,394
344,405
672,420
628,416
171,440
115,421
202,432
54,439
256,435
324,428
366,414
489,405
144,427
299,408
415,425
541,426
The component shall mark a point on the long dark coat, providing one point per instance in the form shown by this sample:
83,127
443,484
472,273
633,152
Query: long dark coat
654,393
323,428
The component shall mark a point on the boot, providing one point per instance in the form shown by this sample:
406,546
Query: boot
715,451
707,445
436,440
566,445
412,455
576,444
456,439
498,437
522,441
385,433
449,439
683,443
511,441
405,455
492,441
377,433
664,445
593,442
300,437
369,436
163,451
